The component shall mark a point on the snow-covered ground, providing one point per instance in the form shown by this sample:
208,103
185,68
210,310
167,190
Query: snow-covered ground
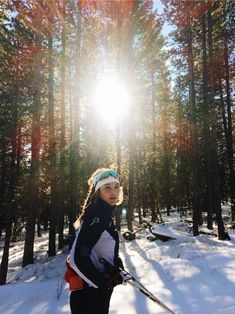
189,274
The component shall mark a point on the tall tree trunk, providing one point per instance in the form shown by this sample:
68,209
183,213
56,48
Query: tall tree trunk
166,165
206,128
35,150
118,142
229,139
214,151
52,152
10,212
128,51
130,184
225,124
154,194
61,204
5,256
74,148
167,191
131,168
3,149
144,185
194,136
118,150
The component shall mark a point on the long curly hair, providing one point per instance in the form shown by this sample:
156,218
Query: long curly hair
92,196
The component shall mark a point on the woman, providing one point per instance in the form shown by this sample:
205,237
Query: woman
97,241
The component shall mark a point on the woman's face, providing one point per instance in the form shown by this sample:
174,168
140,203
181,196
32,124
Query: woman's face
110,193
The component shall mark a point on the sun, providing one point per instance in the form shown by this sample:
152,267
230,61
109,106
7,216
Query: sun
111,99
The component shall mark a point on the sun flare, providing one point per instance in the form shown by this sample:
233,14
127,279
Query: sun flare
111,99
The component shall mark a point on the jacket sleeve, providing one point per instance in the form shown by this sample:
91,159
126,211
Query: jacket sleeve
80,255
120,263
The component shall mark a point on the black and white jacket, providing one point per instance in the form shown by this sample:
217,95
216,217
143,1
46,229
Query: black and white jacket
96,238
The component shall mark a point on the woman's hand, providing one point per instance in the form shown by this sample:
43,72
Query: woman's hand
113,280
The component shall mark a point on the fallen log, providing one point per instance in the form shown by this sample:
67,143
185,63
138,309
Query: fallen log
159,236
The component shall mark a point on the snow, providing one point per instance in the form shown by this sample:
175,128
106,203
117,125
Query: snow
189,275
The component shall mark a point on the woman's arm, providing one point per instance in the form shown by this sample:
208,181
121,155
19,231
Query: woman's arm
80,255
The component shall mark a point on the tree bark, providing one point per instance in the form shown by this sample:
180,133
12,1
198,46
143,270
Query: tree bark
61,195
166,165
194,136
10,209
214,151
118,131
3,149
131,136
206,128
118,150
5,256
52,152
35,150
154,193
229,139
74,148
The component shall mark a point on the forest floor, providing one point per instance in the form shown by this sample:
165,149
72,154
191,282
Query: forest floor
189,274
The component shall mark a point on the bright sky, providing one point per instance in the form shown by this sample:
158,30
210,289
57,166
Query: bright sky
158,5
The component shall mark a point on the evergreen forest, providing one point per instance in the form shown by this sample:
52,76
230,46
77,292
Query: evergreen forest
144,87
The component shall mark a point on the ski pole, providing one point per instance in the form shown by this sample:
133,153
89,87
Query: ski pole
134,283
